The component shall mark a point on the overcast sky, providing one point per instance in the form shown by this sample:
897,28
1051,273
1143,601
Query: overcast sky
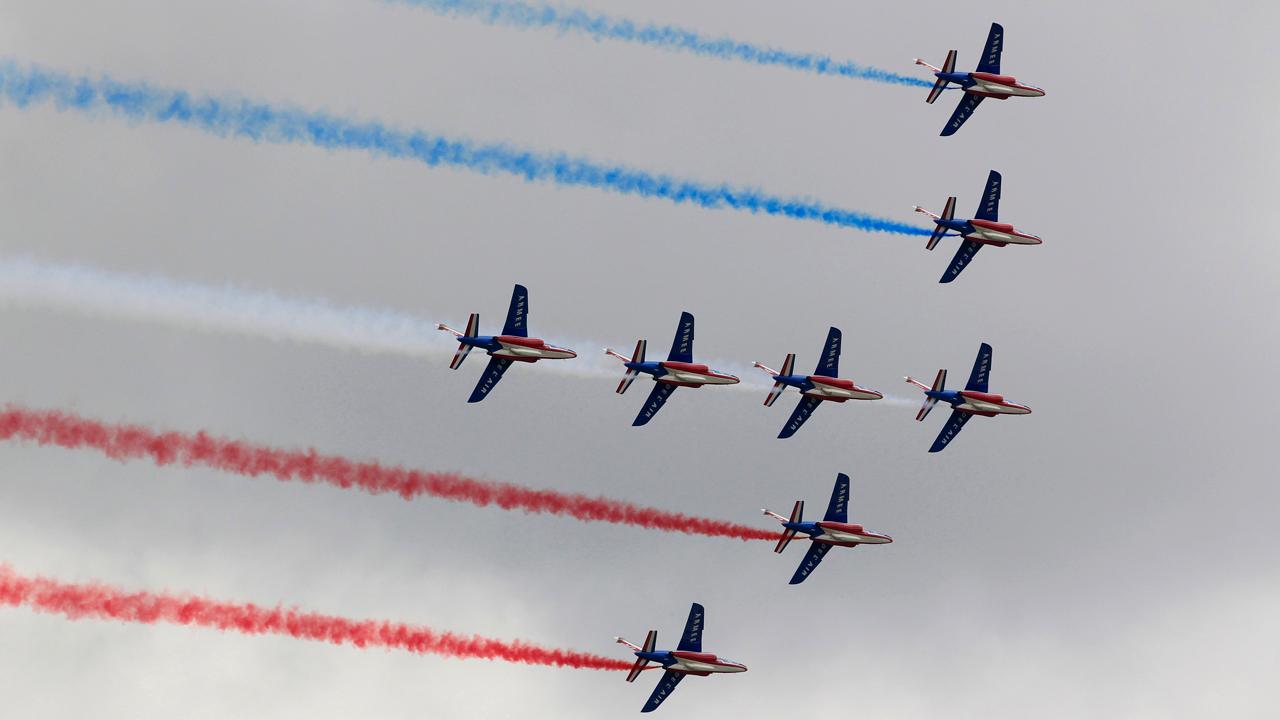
1113,554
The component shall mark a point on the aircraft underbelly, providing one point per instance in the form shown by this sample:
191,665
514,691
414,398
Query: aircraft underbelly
524,353
846,537
680,376
982,234
694,666
826,391
995,88
986,407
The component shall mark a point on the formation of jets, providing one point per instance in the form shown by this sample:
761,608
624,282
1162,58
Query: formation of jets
823,385
679,370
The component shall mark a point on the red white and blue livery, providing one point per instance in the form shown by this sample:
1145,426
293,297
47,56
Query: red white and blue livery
821,386
974,399
984,82
513,345
679,370
686,659
833,530
984,228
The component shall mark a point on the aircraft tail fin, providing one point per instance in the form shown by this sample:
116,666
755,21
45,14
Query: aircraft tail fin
948,212
636,357
797,515
939,384
787,366
473,326
650,642
948,66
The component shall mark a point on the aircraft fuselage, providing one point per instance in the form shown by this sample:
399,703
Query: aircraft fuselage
520,349
835,533
682,373
991,85
989,232
978,403
827,388
692,663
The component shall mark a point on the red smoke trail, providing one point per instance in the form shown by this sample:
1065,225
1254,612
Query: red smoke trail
102,602
126,442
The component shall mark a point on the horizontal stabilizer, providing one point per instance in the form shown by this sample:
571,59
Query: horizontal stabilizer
636,669
924,409
626,381
774,394
459,356
785,540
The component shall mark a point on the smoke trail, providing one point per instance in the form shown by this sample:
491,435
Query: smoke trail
102,602
666,37
228,309
128,442
25,86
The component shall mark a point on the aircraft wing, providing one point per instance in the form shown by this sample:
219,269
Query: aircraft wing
966,252
968,103
838,509
817,551
990,62
691,640
989,208
829,363
950,430
981,370
665,686
682,346
657,398
798,416
492,374
517,312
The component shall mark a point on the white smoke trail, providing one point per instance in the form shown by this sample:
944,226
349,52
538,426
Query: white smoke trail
228,309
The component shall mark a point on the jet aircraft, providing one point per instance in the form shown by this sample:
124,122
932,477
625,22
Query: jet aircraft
972,400
984,82
678,370
984,228
513,345
686,659
814,389
832,530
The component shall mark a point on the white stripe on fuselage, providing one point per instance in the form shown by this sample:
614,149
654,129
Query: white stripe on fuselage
980,406
841,536
996,88
693,378
696,666
988,235
524,351
831,391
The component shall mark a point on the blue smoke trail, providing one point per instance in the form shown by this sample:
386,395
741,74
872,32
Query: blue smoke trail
24,86
667,37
